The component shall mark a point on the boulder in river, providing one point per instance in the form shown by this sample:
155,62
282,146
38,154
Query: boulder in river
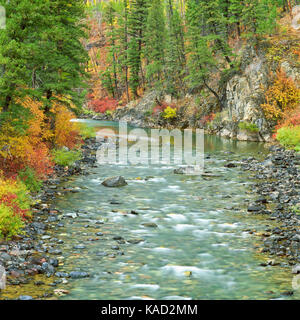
114,182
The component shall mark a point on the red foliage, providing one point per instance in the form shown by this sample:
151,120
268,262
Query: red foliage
103,105
208,118
9,200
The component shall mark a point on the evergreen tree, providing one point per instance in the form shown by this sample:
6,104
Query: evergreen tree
206,42
235,14
15,50
110,76
61,58
259,17
155,42
175,51
136,26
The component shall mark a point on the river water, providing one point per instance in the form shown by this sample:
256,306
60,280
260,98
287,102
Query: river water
201,248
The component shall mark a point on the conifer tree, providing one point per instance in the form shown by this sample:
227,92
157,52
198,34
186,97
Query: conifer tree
155,42
136,26
175,50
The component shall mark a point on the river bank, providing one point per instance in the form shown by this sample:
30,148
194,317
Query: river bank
34,257
278,187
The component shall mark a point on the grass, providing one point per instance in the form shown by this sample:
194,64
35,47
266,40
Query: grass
289,137
248,126
87,132
66,158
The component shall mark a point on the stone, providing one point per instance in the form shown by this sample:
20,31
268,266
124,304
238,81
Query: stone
114,182
230,165
255,208
79,275
135,241
150,225
25,298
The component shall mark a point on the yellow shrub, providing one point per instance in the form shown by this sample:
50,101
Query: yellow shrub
170,113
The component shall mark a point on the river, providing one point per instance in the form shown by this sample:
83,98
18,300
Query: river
201,247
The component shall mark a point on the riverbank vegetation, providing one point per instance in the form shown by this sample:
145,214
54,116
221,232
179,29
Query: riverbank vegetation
42,85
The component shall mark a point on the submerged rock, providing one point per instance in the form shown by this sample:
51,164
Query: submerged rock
78,275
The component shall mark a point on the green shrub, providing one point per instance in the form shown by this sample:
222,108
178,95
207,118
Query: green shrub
87,132
66,158
248,126
11,224
29,178
289,137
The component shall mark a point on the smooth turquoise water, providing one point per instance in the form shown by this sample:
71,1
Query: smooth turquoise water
200,249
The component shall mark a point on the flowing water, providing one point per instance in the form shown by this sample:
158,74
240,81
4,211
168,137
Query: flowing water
201,248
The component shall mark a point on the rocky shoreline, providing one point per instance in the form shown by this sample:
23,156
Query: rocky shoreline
278,188
35,252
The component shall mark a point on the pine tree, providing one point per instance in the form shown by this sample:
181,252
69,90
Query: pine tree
155,42
110,75
61,59
15,50
175,51
205,39
259,17
136,26
236,10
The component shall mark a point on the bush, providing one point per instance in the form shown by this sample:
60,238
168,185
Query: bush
30,179
251,127
87,132
10,223
103,105
65,157
14,207
170,113
289,137
281,98
66,133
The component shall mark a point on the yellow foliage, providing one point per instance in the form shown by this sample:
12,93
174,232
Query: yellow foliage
170,113
282,96
66,133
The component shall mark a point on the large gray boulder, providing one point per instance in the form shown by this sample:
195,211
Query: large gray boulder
114,182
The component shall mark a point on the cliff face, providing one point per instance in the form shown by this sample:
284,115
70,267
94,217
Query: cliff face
244,95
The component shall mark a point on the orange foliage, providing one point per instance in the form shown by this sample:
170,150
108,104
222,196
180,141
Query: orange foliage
283,96
66,133
18,151
32,147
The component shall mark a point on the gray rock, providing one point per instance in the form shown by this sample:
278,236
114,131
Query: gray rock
5,257
80,246
114,182
25,298
78,275
135,241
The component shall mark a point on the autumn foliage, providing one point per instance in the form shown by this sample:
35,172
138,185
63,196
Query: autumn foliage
14,206
282,97
103,105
